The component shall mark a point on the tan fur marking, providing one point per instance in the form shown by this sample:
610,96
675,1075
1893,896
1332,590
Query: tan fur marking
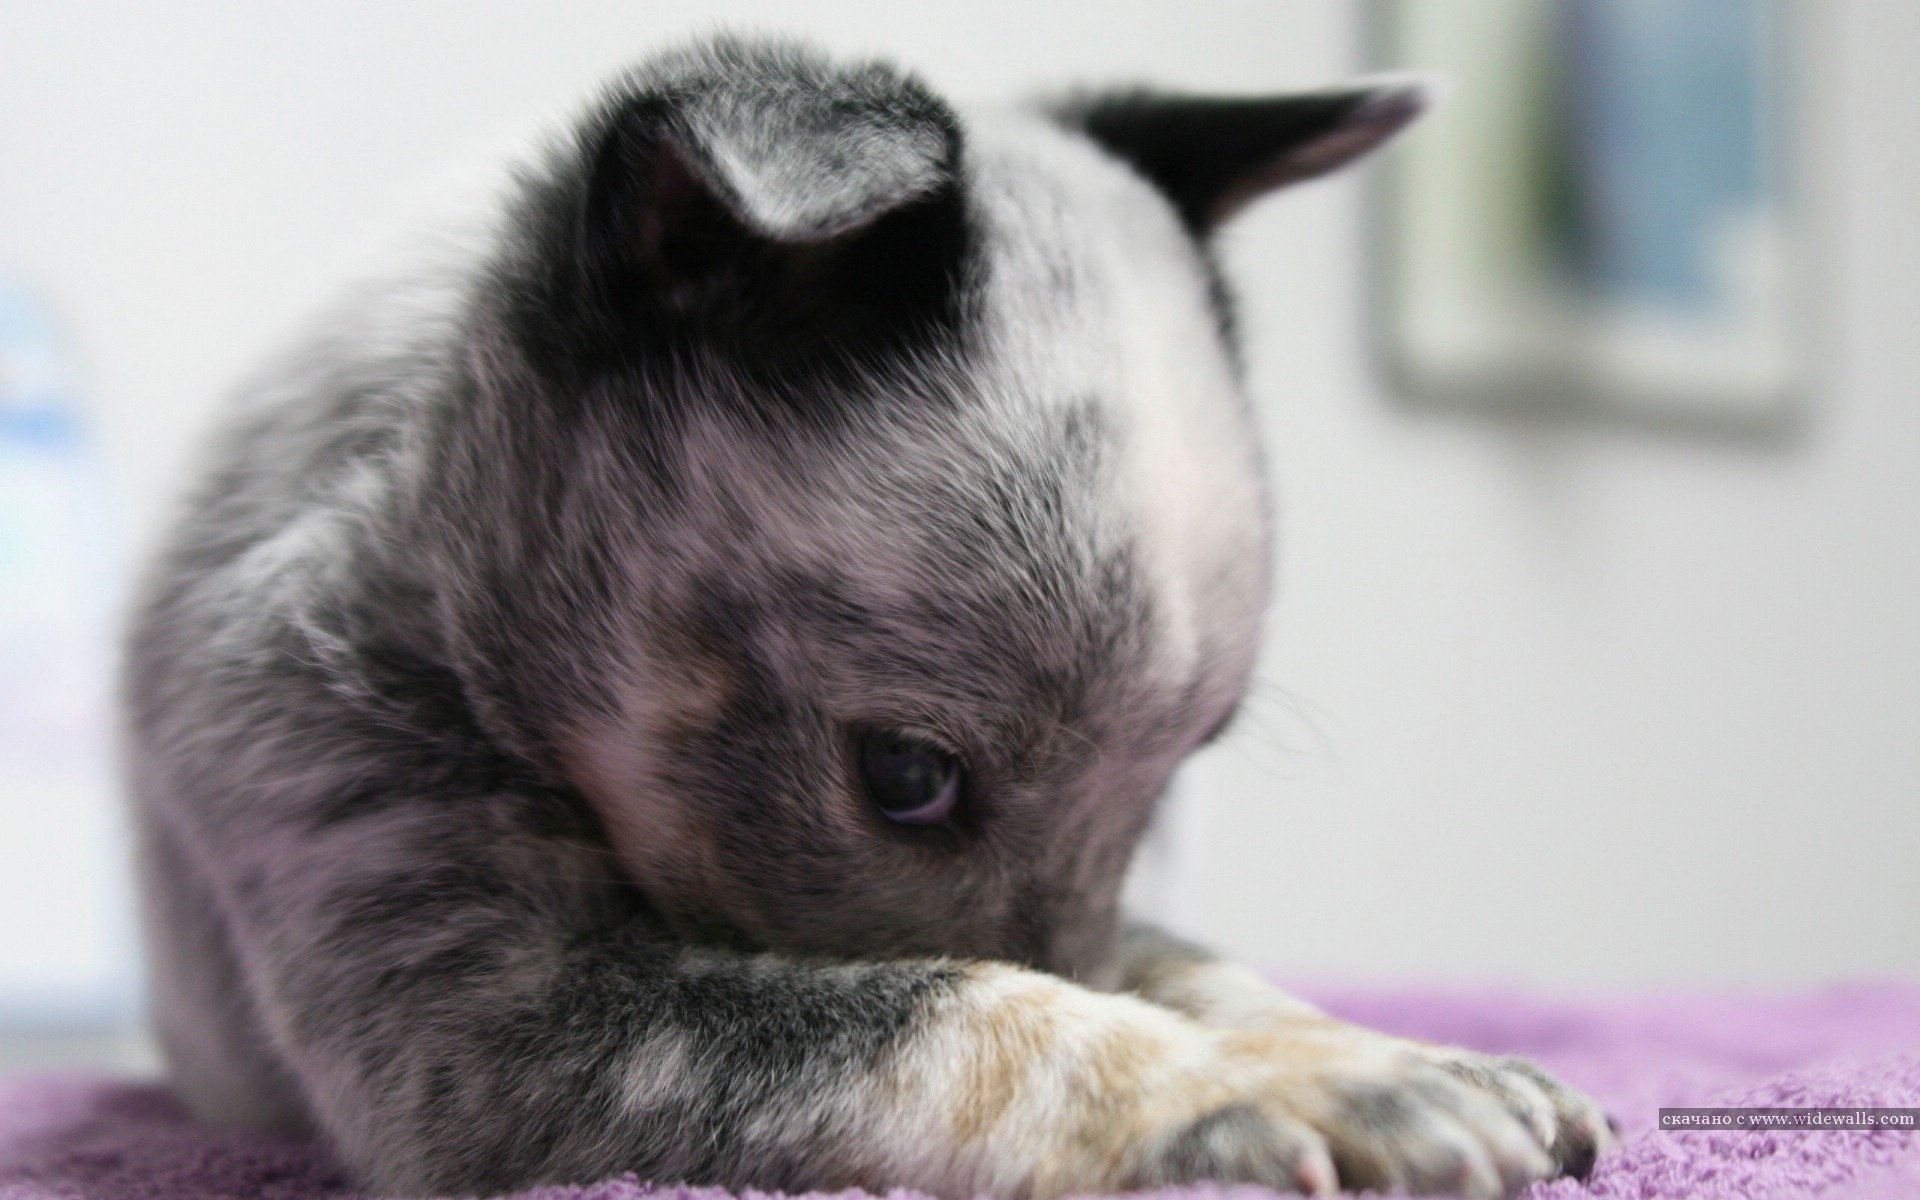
1304,1044
1105,1090
1011,1036
668,701
699,687
1118,1113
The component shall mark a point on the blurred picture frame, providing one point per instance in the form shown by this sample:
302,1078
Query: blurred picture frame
1600,219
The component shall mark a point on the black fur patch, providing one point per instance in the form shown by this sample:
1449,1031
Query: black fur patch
1212,154
634,252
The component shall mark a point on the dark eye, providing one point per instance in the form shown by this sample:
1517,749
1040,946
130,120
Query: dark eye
909,781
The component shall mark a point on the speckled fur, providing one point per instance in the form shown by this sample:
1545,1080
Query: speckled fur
490,707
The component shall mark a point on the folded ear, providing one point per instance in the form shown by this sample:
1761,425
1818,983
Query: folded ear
1213,155
742,171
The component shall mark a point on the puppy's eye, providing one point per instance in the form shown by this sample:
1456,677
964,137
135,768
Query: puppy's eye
909,781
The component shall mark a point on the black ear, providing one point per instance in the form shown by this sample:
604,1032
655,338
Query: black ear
1213,155
753,183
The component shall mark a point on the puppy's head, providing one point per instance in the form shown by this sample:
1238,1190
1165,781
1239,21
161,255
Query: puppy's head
876,515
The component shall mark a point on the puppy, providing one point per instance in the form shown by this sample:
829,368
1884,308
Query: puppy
673,683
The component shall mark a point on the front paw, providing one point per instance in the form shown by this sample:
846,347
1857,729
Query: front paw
1050,1090
1573,1128
1397,1114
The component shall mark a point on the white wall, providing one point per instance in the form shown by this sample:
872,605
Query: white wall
1580,706
1549,704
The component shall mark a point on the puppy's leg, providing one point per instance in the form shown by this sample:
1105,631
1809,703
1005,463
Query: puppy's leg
1188,979
471,1005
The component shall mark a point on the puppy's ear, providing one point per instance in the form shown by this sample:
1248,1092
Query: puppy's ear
1213,155
753,180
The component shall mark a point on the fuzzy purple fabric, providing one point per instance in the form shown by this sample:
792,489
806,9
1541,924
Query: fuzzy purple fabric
1859,1045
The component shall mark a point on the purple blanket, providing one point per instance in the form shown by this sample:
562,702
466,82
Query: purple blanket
77,1139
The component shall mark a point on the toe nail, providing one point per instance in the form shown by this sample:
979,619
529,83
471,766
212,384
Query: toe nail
1316,1175
1546,1130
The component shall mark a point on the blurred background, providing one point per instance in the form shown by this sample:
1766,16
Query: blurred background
1596,656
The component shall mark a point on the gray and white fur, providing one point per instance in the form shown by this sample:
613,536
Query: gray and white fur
495,710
